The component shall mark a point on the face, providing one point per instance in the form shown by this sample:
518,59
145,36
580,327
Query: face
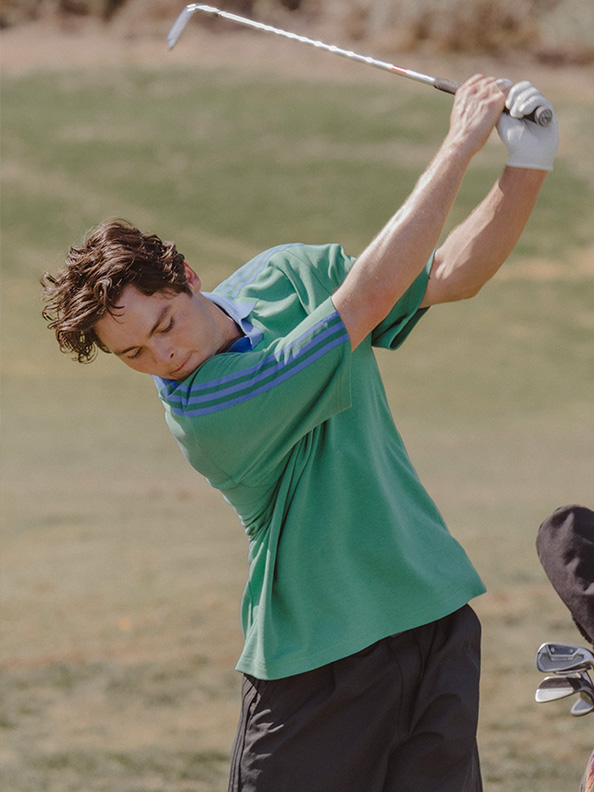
167,334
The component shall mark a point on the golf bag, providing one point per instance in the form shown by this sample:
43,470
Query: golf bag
565,546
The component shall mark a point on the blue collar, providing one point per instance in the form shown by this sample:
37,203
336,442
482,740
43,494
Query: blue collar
238,311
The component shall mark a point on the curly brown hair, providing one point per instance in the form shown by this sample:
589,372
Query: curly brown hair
113,255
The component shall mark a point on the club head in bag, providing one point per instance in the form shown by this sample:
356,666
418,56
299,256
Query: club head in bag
557,687
560,658
583,706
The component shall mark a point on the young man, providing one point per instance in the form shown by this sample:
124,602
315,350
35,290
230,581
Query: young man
361,656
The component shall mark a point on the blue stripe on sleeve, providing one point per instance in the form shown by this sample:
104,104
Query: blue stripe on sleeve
183,390
271,371
266,387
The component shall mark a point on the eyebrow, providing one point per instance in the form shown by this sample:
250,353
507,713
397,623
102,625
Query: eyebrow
152,332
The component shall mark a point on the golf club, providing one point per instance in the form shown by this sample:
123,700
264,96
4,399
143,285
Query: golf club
554,688
541,115
563,658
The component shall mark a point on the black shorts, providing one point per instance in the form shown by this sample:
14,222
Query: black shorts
399,716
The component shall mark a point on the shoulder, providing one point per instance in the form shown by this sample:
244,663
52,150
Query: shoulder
254,270
326,264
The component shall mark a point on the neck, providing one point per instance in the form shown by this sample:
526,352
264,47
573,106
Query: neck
229,329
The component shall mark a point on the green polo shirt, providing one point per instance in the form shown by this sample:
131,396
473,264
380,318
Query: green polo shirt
345,545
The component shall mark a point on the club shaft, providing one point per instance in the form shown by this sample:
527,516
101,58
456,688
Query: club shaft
540,116
345,53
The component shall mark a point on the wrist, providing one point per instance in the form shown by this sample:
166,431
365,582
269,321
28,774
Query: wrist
523,177
457,149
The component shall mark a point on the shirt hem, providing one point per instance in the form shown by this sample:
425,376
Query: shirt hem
269,671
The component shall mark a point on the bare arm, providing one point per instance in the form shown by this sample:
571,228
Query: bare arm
393,260
474,250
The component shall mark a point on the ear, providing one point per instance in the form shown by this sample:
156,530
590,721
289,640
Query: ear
192,278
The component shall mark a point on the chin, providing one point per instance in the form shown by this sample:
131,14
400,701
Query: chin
183,371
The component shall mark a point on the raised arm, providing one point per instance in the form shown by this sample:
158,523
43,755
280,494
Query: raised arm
474,250
388,266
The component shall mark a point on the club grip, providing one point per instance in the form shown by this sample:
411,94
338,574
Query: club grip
449,86
541,115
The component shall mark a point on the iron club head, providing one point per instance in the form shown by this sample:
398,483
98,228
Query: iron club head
182,21
583,706
563,658
553,688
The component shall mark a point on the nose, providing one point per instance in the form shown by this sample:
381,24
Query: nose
163,351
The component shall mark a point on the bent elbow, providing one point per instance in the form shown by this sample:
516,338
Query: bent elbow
470,290
445,292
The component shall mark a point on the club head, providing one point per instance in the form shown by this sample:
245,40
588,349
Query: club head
179,24
563,658
583,706
554,688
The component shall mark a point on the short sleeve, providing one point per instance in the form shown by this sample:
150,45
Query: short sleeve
403,317
239,415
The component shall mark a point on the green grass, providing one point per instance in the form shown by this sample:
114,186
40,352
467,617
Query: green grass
121,569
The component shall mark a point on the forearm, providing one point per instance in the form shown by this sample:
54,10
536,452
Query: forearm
476,249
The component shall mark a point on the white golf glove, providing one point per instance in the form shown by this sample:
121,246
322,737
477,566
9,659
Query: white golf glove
528,144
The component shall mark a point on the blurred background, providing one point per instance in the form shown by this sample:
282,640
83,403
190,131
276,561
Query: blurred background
552,30
121,570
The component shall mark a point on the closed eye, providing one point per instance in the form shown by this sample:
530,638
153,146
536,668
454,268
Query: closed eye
156,329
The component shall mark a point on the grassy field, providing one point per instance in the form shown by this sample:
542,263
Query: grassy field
121,569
